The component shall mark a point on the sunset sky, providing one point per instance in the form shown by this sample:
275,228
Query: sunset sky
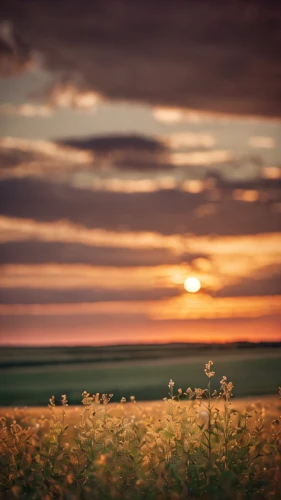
140,145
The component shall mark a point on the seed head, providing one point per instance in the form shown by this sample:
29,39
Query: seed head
208,371
64,401
171,384
199,393
52,402
226,388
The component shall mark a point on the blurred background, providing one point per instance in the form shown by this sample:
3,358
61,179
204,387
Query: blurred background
140,196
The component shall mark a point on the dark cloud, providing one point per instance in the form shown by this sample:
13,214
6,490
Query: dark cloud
15,55
221,58
76,296
118,152
40,252
166,212
126,152
227,185
14,157
249,287
110,143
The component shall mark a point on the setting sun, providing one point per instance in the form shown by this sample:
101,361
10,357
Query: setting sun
192,285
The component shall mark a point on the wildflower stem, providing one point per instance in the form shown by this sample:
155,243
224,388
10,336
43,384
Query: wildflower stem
209,422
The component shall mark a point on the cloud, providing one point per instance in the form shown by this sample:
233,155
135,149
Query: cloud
179,308
232,257
82,276
171,116
151,212
199,61
15,150
59,95
40,296
271,172
15,55
249,195
186,307
20,158
67,94
262,142
28,110
175,115
103,155
40,252
128,162
250,247
254,286
124,152
110,143
117,309
190,140
202,158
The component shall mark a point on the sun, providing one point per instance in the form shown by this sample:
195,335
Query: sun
192,285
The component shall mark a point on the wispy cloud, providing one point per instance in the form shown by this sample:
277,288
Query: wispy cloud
182,308
205,307
260,142
191,140
28,110
253,250
49,149
69,94
59,96
206,158
130,163
144,212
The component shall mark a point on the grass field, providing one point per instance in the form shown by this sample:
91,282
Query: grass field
31,376
194,443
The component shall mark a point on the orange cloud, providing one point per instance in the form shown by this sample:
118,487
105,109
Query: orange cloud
203,306
174,115
248,195
271,172
100,308
182,308
205,158
228,253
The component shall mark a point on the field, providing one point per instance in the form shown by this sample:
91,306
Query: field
30,376
196,441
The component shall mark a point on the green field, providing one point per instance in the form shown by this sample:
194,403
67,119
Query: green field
29,376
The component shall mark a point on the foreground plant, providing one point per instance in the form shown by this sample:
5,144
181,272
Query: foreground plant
192,445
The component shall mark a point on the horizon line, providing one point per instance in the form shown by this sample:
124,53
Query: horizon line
144,344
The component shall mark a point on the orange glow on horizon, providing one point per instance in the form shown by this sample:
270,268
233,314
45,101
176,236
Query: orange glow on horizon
184,307
160,332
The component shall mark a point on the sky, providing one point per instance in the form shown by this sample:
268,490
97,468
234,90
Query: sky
140,144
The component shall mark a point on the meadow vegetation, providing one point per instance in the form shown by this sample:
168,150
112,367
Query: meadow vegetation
30,375
193,444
